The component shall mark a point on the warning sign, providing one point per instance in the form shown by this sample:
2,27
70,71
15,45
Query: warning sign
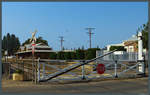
100,68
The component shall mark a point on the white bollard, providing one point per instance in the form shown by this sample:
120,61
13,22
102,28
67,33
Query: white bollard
83,72
140,54
116,76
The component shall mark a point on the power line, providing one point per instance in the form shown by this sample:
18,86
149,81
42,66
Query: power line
61,42
90,34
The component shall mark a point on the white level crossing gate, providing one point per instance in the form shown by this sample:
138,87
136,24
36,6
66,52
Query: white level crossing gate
85,70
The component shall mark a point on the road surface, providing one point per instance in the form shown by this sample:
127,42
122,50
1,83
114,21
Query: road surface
139,85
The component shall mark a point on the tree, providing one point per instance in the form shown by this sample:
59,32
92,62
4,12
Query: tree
82,48
144,30
97,46
53,55
119,48
80,53
91,53
41,40
38,40
26,42
10,43
60,55
67,55
73,55
15,44
145,36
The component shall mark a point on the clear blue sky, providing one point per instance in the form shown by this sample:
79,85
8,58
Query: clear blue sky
114,21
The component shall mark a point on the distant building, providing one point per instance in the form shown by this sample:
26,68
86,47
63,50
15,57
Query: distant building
41,51
131,53
68,51
131,45
108,46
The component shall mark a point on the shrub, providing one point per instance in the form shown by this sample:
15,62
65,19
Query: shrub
119,48
18,71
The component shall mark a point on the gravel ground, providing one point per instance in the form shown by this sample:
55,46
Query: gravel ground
138,85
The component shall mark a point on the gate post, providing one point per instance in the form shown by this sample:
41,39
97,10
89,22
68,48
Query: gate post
23,69
115,58
9,70
38,75
141,66
43,75
35,72
83,73
116,76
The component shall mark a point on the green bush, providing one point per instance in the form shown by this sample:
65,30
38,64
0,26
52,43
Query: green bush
19,71
53,55
91,53
119,48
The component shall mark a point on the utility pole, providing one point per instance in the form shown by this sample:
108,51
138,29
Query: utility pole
61,42
90,34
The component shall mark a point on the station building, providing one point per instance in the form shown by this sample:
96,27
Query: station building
40,51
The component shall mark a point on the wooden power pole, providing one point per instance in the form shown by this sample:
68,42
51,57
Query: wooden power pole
90,35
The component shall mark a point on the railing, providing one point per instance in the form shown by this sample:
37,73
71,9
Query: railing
125,56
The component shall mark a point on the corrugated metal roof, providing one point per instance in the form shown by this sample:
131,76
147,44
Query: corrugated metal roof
35,51
29,46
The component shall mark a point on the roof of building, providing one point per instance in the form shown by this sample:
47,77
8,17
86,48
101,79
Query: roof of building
133,38
68,50
121,44
38,48
45,51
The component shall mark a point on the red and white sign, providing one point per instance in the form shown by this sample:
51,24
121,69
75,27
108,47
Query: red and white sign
100,68
33,45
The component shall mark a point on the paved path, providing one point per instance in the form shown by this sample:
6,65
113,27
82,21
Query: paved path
139,85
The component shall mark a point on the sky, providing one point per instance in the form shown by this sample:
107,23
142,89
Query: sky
114,22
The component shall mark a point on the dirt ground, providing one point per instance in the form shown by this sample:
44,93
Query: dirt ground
138,85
